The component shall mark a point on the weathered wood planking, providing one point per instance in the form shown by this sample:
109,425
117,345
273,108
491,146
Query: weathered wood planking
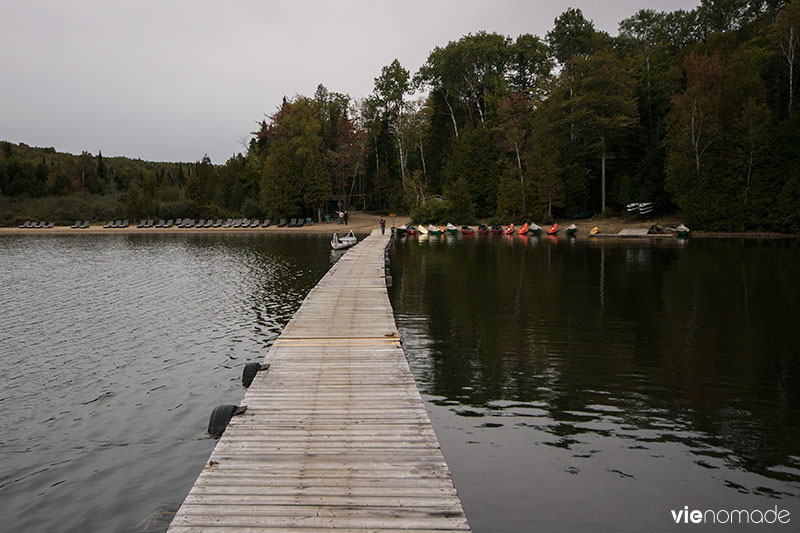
335,435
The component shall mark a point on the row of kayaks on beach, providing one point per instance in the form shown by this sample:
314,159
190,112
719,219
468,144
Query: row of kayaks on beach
526,229
496,229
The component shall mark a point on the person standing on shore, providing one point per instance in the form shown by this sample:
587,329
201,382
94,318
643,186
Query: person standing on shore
345,217
383,225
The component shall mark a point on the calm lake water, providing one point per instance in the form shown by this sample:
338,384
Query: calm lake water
574,386
596,386
113,352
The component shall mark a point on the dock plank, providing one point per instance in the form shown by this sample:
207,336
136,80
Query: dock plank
335,435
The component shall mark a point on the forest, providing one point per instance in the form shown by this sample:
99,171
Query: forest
694,110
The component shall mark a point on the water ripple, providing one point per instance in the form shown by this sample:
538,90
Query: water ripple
114,351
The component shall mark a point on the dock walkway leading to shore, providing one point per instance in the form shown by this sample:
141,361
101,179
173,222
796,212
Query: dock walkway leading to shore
335,435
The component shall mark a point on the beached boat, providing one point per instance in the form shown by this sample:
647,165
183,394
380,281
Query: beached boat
400,231
509,229
655,229
594,231
497,229
682,231
466,230
451,229
350,237
534,228
571,229
422,229
341,243
553,229
434,230
411,230
483,229
524,229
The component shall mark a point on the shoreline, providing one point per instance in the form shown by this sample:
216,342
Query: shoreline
364,223
359,223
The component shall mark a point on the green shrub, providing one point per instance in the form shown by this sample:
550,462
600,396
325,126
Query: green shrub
59,209
433,211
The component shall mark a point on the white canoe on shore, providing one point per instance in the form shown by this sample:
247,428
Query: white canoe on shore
339,243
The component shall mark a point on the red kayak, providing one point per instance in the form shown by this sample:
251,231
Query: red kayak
497,229
523,230
509,230
483,229
466,230
553,229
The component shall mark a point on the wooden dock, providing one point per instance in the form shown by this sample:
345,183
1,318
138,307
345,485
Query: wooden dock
335,435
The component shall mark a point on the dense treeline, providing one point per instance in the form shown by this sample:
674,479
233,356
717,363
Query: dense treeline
694,110
42,184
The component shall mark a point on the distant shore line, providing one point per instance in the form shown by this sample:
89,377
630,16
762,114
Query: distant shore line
363,223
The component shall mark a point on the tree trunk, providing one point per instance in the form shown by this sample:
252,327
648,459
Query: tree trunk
400,144
649,98
749,172
521,177
422,157
793,44
603,173
789,53
452,113
696,131
571,77
402,164
480,111
377,157
571,112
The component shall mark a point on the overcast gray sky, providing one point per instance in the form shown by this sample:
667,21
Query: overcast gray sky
172,80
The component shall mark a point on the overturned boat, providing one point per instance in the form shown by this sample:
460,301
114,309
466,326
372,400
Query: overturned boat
571,229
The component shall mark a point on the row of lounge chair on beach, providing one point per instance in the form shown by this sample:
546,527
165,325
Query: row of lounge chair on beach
112,224
294,223
182,223
191,223
36,225
203,223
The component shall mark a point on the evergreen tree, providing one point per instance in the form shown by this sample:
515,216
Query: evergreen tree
295,180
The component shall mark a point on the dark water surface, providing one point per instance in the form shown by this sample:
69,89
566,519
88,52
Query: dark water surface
113,352
596,386
574,386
